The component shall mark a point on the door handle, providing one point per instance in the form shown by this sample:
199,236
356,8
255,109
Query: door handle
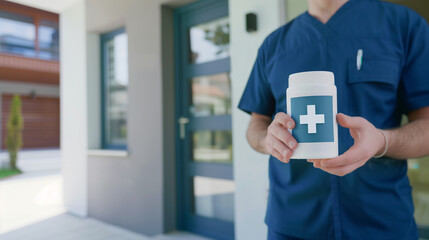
182,122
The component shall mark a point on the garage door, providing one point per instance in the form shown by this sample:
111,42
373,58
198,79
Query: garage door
41,117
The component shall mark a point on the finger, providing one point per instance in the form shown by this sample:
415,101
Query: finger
317,164
283,135
349,122
343,170
288,156
279,156
349,157
278,145
273,152
285,120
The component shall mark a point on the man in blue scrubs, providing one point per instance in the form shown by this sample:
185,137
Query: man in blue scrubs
353,196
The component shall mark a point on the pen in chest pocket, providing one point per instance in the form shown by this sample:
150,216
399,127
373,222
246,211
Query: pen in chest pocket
359,57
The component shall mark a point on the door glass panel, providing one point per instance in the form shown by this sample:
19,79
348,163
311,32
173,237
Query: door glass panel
212,146
211,95
418,172
209,41
214,198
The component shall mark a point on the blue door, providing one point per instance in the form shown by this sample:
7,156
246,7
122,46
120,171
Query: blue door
203,102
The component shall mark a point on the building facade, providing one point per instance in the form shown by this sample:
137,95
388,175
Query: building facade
29,67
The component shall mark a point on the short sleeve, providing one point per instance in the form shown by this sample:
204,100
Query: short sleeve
257,96
414,89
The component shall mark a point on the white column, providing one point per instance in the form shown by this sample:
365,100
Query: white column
73,90
250,167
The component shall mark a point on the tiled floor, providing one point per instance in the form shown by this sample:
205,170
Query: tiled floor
31,209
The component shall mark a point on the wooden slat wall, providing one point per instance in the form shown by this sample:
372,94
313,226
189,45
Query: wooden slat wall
32,70
41,121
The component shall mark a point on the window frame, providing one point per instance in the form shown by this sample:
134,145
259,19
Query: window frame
37,15
104,38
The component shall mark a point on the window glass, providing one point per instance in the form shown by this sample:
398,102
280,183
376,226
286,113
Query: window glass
212,146
214,198
211,95
49,42
17,34
115,81
209,41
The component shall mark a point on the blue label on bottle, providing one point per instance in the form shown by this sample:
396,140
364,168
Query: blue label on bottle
313,116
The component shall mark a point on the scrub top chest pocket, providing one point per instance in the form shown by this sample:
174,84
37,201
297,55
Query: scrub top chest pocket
373,88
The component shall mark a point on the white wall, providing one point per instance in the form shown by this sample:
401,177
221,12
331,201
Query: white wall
250,168
126,190
129,191
73,107
295,8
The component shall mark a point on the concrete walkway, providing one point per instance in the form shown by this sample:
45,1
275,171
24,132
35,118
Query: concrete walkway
35,160
31,209
30,198
67,227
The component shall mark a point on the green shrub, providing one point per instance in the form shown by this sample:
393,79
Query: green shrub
14,131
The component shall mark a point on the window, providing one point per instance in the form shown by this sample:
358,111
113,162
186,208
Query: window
48,40
17,34
28,32
114,89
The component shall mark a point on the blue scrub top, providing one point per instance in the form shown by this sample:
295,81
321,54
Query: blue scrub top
374,201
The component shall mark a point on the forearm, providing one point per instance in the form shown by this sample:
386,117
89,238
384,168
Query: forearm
257,133
409,141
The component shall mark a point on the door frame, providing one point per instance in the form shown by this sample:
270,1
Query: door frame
215,8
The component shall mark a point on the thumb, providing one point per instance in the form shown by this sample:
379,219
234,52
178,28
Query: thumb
348,122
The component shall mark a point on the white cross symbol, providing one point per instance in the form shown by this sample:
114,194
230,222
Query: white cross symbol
311,119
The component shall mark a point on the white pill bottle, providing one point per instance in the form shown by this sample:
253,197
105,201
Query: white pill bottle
311,100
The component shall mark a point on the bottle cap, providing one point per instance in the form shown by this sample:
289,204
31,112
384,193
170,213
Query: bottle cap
311,78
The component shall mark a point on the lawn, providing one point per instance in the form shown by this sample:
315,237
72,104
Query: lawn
8,172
